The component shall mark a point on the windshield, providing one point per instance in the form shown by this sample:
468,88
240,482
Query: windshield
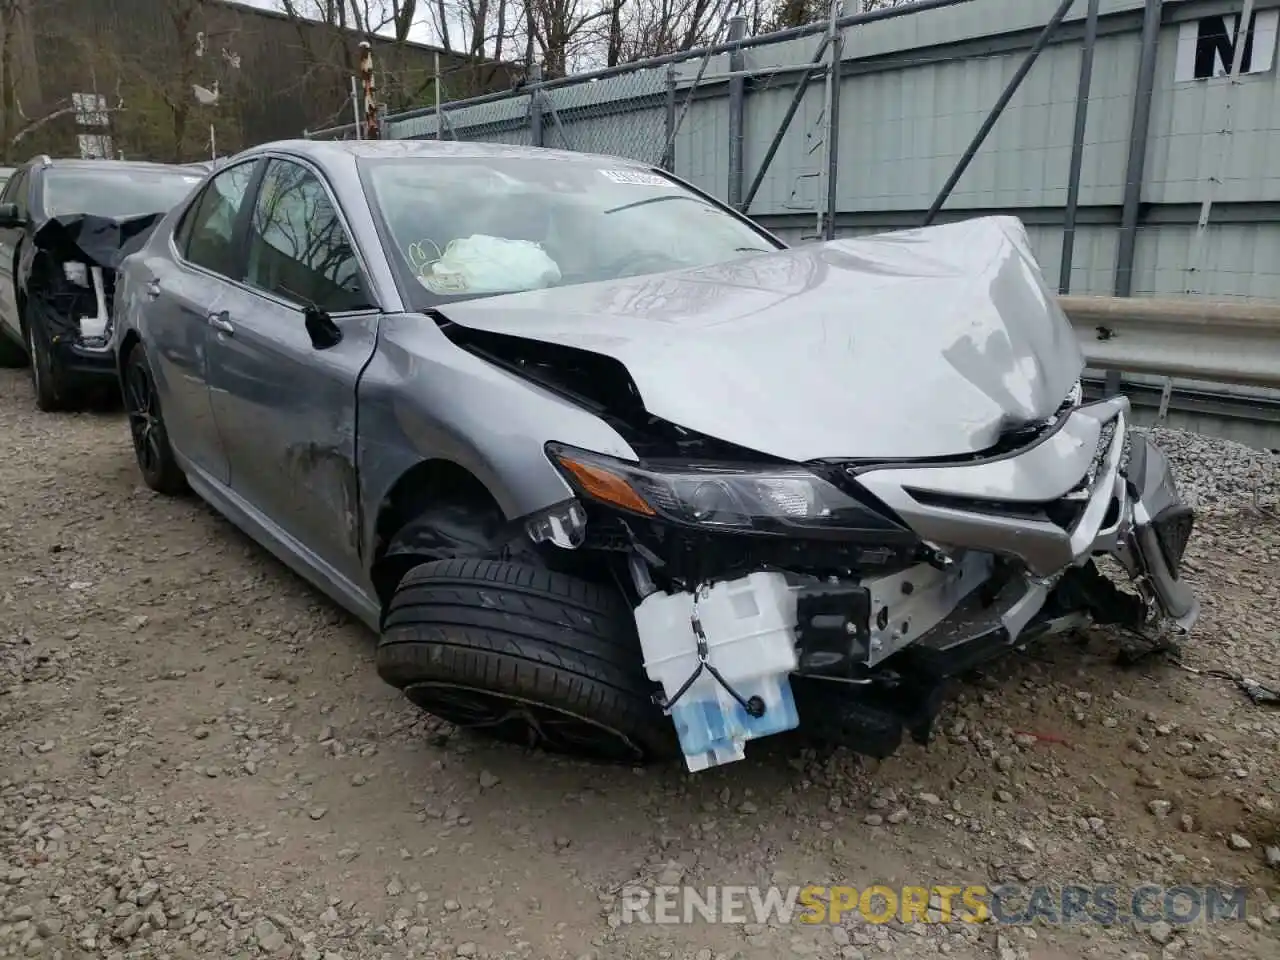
469,227
116,192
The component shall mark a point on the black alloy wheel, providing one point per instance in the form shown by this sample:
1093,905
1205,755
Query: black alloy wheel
151,447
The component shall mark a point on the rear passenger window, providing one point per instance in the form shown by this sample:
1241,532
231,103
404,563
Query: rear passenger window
206,235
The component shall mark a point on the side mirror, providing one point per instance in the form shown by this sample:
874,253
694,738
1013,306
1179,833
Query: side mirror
324,333
9,216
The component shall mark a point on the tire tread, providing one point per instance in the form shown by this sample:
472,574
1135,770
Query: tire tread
526,632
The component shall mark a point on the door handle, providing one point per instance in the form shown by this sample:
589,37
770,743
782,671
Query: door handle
218,320
153,289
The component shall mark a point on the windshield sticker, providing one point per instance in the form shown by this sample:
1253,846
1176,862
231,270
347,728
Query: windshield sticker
634,177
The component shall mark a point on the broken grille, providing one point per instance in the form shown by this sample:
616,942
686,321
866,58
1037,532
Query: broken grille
1064,511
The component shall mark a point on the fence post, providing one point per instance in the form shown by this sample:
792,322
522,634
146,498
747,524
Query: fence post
836,45
802,87
356,112
737,104
1077,148
1135,167
669,127
535,104
435,89
371,130
1010,89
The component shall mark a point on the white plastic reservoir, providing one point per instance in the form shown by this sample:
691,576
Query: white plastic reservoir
750,626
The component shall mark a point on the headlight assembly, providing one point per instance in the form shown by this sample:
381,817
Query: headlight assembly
762,499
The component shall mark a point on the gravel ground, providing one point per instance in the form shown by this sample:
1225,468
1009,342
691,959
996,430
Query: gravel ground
200,761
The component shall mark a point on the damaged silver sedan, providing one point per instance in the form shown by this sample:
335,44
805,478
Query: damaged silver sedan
614,472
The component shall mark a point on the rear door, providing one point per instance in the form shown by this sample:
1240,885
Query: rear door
15,192
187,289
285,402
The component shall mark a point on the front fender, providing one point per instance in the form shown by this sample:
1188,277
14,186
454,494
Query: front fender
423,398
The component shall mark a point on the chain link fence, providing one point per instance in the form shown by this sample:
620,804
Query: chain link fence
493,119
627,115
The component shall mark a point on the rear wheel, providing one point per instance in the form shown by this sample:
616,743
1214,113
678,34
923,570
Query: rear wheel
151,447
524,655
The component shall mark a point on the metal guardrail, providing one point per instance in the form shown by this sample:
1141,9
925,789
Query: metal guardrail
1215,342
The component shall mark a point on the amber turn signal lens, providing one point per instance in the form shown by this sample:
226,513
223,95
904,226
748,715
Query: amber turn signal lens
607,487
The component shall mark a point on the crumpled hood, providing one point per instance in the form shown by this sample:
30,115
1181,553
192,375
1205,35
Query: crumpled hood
97,241
922,343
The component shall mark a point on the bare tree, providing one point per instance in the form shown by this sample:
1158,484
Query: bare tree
60,109
563,30
177,87
651,28
321,27
182,15
164,119
563,34
483,27
16,67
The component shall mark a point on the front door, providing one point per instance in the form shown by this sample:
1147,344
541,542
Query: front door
185,291
283,395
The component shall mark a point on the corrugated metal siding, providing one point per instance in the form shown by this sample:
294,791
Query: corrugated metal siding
1238,261
903,132
915,91
1188,146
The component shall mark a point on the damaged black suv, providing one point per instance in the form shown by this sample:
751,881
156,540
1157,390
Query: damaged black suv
65,226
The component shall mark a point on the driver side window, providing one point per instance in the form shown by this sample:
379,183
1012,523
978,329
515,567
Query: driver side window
298,247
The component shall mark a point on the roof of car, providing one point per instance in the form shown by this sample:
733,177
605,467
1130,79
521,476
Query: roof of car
390,149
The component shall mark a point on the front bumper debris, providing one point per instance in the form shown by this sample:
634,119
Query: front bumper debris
1011,542
1091,487
71,284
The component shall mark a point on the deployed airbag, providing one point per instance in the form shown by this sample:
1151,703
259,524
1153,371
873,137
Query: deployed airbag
482,264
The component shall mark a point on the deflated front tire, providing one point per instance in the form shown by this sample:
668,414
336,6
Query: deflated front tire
524,655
